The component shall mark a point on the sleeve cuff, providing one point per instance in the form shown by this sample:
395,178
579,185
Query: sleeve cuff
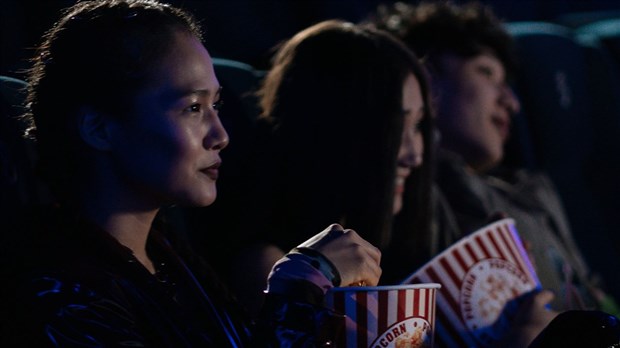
296,267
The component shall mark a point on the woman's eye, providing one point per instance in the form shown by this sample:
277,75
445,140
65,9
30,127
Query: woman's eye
194,108
218,105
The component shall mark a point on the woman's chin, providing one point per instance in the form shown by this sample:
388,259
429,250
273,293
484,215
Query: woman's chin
398,204
199,199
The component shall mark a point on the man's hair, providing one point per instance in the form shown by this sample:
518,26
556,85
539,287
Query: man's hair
433,28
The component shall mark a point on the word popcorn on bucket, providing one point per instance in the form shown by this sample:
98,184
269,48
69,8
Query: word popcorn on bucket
399,316
483,276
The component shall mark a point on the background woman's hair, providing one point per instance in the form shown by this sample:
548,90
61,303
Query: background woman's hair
334,100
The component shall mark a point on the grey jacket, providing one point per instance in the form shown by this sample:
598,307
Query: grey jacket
465,201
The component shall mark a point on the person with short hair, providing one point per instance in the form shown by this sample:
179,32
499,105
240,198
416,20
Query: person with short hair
471,60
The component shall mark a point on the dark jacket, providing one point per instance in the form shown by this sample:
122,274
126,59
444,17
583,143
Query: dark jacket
77,286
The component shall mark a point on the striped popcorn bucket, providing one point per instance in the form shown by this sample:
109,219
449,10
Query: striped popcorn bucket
482,277
399,316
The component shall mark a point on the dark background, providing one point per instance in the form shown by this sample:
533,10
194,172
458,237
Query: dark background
246,30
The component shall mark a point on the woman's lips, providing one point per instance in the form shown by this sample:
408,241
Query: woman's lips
212,171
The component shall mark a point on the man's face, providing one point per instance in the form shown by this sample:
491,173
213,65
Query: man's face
474,108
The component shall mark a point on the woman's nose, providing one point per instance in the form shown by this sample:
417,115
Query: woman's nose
217,137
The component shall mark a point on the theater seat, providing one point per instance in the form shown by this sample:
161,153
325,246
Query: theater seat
19,187
554,87
601,42
581,18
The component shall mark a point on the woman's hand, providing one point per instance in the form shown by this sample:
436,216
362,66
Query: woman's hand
357,260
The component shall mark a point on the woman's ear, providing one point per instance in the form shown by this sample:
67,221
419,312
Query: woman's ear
93,129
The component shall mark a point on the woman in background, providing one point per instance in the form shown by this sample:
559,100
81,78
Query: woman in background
346,135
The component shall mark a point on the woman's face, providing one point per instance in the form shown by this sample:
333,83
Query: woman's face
412,145
167,150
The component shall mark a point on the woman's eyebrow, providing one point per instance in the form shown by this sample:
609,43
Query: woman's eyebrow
175,94
208,91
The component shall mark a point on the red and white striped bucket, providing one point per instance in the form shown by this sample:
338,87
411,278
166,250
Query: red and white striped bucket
482,277
399,316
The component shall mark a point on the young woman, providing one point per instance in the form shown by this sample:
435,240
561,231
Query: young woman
353,101
347,132
124,106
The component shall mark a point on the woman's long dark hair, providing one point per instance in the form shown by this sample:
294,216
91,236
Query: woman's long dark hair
333,100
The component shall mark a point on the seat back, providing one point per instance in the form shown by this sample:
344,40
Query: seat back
601,42
559,105
19,186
